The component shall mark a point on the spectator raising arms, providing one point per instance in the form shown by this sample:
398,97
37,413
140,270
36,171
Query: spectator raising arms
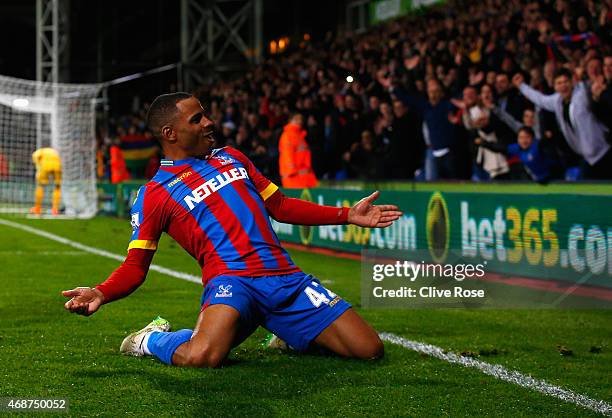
438,127
399,80
585,134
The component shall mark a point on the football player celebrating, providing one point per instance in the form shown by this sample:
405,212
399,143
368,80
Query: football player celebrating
215,204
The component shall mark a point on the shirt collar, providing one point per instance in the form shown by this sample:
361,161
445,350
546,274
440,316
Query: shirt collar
171,163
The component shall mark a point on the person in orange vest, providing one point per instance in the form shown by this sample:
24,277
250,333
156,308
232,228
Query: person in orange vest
4,167
294,160
118,168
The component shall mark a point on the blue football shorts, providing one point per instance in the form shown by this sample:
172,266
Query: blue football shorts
295,307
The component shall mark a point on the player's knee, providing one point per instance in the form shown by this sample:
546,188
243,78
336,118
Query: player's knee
214,360
205,358
374,349
379,350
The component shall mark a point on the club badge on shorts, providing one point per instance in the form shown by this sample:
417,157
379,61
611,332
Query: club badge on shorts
225,291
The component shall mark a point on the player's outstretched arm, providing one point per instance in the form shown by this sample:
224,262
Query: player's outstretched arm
123,281
364,213
301,212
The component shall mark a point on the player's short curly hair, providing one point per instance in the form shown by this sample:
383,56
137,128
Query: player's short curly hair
163,110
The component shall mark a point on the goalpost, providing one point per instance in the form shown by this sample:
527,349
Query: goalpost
62,116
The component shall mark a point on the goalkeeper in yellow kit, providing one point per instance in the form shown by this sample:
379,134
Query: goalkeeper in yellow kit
48,165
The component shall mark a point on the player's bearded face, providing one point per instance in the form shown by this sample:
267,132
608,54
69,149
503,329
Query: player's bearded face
194,130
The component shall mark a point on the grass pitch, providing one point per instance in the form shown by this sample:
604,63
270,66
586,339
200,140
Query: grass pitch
46,352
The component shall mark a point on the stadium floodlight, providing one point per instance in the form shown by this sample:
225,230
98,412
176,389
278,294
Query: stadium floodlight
21,103
34,115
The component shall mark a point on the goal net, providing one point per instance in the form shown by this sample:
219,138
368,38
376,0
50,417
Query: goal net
61,116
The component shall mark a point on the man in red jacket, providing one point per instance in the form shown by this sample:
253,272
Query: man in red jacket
215,204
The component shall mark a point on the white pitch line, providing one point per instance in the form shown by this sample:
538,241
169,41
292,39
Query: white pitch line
494,370
502,373
30,253
97,251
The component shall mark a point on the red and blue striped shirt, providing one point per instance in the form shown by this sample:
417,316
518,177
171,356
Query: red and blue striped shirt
215,209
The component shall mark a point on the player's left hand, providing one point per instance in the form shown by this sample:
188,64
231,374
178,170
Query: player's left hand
364,213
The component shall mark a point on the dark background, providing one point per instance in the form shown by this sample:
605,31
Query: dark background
113,38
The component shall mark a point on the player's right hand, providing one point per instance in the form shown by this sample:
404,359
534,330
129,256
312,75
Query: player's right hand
84,300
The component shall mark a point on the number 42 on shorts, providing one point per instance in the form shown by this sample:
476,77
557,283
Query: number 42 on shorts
318,298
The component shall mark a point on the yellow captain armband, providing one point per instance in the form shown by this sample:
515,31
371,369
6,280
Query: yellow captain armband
268,191
143,244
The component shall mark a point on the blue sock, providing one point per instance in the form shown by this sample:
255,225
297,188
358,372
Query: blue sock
163,344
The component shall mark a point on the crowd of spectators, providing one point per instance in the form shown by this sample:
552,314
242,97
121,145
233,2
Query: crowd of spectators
469,90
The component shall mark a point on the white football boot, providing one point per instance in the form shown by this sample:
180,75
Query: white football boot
132,345
272,341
